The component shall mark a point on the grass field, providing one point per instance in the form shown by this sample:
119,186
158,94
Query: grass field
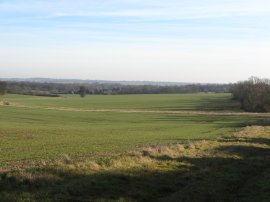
73,154
150,102
40,134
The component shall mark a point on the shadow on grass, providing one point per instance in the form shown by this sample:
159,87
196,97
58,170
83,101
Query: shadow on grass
206,103
260,122
203,178
219,121
249,140
218,104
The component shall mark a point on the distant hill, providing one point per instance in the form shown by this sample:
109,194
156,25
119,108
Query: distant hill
74,81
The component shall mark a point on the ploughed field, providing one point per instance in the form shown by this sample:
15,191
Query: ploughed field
188,147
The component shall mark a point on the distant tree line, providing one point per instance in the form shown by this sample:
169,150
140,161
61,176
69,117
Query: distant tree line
253,94
54,89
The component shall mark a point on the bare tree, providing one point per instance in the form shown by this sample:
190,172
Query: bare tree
254,94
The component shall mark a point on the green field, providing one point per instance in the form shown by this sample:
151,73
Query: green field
151,102
34,134
132,148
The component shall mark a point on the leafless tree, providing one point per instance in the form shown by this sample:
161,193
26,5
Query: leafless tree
253,94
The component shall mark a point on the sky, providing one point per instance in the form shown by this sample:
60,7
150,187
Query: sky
174,40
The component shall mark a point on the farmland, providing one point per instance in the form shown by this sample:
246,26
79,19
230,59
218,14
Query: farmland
79,136
148,102
38,133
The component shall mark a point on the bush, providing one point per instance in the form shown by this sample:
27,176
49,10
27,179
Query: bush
6,103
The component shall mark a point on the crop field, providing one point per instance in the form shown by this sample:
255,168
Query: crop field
150,102
30,132
89,149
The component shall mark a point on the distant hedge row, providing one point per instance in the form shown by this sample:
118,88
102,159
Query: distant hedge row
253,94
109,89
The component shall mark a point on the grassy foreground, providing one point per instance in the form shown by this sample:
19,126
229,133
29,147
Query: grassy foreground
230,168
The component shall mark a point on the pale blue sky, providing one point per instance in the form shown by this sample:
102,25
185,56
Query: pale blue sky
172,40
